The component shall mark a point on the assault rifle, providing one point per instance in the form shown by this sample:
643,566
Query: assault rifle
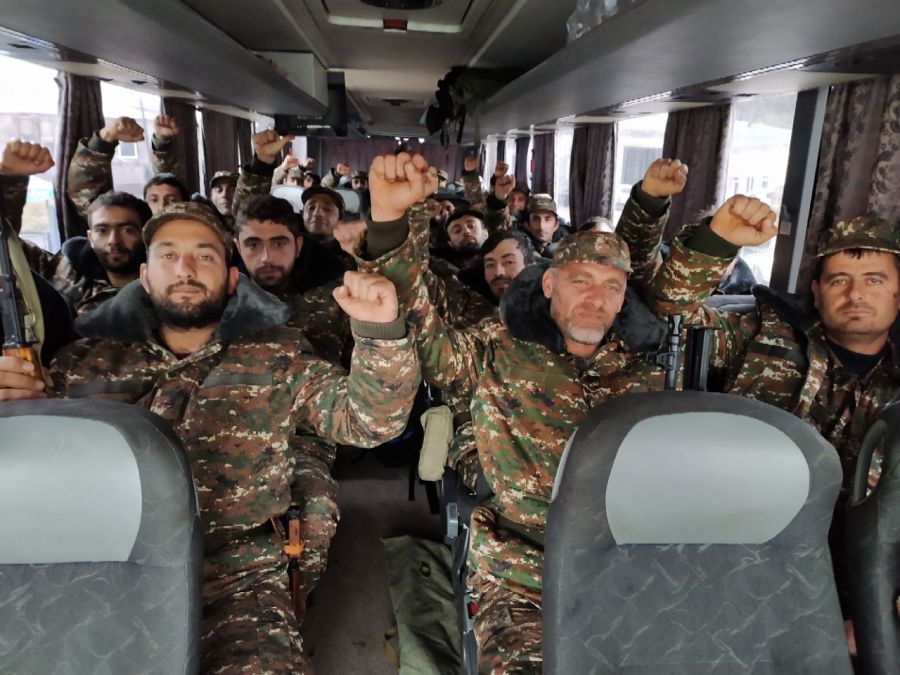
18,338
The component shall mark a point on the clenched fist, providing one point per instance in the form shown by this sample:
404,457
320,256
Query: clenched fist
396,182
123,129
350,234
503,183
368,297
165,128
267,144
342,170
664,178
24,159
744,221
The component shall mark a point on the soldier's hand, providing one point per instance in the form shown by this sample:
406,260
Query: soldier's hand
123,129
267,144
24,159
744,221
368,297
503,186
310,164
165,128
342,170
664,178
396,182
470,164
350,234
17,380
289,162
501,169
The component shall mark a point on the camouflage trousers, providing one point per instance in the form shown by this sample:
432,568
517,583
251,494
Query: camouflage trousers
315,491
507,629
248,623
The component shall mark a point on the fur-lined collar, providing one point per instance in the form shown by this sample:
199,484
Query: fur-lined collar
85,261
129,316
526,314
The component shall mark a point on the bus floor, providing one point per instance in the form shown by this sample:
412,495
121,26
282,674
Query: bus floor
350,609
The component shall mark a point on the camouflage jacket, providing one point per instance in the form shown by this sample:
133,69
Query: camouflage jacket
255,179
778,353
496,212
527,397
90,171
238,402
13,193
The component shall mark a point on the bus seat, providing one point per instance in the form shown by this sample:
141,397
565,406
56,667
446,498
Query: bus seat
688,533
100,565
294,194
872,533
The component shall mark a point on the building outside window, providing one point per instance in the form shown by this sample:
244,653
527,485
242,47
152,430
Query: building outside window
131,165
31,115
757,159
639,141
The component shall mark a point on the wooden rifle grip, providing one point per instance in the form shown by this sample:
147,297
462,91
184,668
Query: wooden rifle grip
26,354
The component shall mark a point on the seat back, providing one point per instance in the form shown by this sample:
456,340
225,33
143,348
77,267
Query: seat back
100,565
872,533
688,534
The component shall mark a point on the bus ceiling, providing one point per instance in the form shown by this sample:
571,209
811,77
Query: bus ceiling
270,57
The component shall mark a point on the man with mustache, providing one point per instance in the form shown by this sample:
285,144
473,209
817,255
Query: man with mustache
530,376
203,347
88,270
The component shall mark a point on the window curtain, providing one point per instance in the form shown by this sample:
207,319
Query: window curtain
501,151
186,143
542,178
859,160
522,159
699,138
80,115
245,144
220,145
591,172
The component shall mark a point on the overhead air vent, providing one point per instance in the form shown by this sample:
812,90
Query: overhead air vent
403,4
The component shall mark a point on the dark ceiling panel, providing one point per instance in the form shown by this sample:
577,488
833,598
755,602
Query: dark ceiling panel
663,45
165,39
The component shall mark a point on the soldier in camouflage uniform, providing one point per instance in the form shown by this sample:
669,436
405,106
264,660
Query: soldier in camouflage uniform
281,260
89,270
90,171
832,362
205,349
531,377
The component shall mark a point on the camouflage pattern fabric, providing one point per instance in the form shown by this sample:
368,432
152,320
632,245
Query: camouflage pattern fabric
526,401
255,179
237,405
83,293
866,232
496,212
774,355
164,159
508,631
90,172
593,247
642,231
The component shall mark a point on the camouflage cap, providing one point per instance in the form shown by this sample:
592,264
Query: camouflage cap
599,248
223,175
195,211
540,202
868,232
458,213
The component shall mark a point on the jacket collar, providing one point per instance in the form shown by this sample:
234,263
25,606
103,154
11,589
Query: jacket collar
129,316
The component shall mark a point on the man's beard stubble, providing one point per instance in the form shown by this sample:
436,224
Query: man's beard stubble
130,265
186,315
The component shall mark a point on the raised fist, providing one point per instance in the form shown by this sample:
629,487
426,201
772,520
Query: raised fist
123,129
342,170
501,169
744,221
664,178
24,159
165,128
396,182
267,144
470,164
289,162
349,235
367,297
309,164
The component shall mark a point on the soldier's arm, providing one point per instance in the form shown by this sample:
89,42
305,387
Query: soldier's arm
13,191
496,207
472,187
90,171
370,405
162,144
256,175
641,226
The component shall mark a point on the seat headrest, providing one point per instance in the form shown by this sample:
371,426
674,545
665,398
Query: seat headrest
92,481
